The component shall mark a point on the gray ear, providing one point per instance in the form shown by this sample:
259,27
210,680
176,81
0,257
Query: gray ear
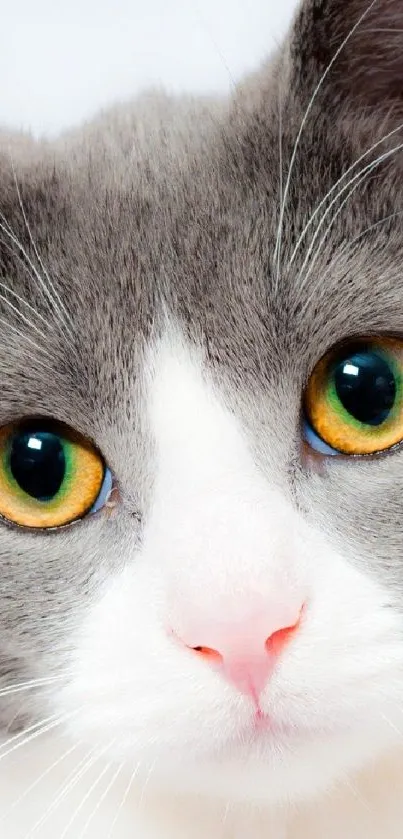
358,45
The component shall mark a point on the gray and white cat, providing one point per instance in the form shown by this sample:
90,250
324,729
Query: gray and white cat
201,469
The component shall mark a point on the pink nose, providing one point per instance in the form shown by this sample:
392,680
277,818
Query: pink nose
246,655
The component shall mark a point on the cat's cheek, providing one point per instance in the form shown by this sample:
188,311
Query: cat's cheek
346,666
132,686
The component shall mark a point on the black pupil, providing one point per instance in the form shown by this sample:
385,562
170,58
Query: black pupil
366,386
37,463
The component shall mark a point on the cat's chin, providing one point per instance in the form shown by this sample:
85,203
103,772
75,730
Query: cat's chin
268,767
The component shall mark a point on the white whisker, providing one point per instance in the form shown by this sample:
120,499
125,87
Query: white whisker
7,230
24,303
84,800
21,316
34,731
393,726
382,29
277,248
146,782
89,792
326,233
281,186
28,730
30,684
375,225
49,289
101,799
16,715
357,180
339,181
123,801
363,801
36,275
29,273
71,781
38,780
24,338
226,814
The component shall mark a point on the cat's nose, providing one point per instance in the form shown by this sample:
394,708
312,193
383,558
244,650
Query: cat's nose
246,654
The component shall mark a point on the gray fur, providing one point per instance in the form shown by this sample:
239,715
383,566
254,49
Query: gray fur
174,204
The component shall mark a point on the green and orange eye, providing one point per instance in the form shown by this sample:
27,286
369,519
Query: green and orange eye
50,476
353,402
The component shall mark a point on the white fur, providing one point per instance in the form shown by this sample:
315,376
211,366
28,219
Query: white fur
221,541
368,806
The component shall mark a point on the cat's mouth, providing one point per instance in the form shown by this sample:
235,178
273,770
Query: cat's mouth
262,725
261,721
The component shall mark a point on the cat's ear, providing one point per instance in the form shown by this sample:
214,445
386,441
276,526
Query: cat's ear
352,51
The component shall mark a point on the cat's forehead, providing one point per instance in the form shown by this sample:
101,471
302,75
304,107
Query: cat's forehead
193,210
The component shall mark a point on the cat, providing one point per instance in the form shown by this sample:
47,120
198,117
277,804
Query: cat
201,366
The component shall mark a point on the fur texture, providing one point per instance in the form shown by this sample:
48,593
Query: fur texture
171,273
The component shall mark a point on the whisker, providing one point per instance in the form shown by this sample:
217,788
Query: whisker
50,290
29,684
281,186
337,184
359,178
374,226
21,300
72,780
15,716
101,799
9,233
28,730
26,268
357,795
85,798
226,814
146,782
38,780
277,248
33,732
326,233
26,338
7,731
21,316
383,29
393,726
36,275
123,801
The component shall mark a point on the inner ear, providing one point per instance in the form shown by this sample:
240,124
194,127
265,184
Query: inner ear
356,48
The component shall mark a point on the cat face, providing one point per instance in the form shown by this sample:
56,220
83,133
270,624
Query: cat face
229,617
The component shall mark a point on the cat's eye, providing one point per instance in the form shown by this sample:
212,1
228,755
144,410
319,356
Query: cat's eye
50,476
353,402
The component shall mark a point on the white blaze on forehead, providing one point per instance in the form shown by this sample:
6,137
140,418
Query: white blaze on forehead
190,423
216,520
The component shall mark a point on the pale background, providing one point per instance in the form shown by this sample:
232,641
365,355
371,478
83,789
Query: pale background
61,60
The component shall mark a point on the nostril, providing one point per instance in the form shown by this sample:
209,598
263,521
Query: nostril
276,642
208,653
